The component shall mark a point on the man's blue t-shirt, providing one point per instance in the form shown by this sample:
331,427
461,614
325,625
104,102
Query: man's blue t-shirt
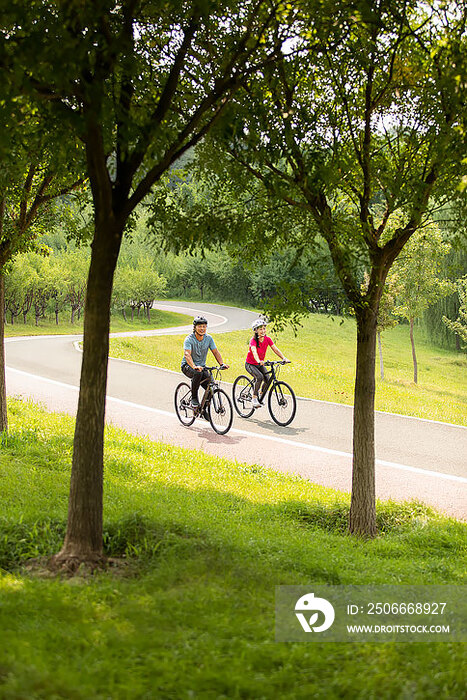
199,348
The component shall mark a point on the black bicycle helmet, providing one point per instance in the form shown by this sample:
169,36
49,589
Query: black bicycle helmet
198,320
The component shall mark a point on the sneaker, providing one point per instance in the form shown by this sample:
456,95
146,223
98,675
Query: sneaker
255,403
194,402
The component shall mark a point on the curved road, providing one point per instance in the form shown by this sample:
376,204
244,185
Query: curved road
416,459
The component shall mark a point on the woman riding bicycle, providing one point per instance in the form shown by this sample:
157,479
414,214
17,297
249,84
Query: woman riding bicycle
254,363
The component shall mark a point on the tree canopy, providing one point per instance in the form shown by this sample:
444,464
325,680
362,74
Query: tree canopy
360,124
138,84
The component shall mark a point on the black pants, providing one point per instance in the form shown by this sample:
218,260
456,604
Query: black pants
197,378
260,373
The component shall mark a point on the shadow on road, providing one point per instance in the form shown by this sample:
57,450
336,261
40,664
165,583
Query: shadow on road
208,434
270,426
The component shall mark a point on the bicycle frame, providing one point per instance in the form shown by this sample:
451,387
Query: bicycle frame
272,377
208,392
281,399
215,405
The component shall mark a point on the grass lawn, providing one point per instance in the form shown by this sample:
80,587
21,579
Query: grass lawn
323,356
206,541
159,319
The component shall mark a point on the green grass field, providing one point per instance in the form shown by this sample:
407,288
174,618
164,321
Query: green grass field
159,319
323,356
192,614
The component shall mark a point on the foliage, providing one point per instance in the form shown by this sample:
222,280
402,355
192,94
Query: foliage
360,122
138,84
460,326
58,282
415,277
454,266
138,286
40,183
414,281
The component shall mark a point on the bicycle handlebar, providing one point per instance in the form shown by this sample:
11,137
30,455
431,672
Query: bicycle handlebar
277,362
211,369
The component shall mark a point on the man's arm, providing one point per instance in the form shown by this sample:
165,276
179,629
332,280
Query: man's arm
189,359
218,357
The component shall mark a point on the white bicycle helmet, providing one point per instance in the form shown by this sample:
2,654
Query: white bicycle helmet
258,323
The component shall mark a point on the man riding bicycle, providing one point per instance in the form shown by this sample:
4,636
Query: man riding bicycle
195,350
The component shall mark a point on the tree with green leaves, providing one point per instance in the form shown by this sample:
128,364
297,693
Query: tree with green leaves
19,291
454,267
414,281
459,327
34,175
139,84
57,289
75,264
360,122
137,285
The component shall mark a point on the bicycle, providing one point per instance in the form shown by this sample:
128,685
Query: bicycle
282,403
215,404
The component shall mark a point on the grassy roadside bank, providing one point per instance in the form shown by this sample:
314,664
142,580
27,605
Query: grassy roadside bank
159,319
206,541
323,355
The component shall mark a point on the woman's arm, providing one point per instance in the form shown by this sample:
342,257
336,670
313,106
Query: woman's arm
254,350
278,352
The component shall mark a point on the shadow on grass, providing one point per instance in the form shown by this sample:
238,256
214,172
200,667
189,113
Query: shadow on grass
146,517
227,526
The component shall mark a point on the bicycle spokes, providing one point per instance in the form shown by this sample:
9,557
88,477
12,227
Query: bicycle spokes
183,407
282,403
215,405
242,393
220,412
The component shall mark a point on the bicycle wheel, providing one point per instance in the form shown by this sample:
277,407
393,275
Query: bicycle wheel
242,394
220,412
282,403
183,408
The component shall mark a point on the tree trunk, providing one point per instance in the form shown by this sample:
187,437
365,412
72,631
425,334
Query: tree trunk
363,500
380,348
414,356
3,404
124,313
83,540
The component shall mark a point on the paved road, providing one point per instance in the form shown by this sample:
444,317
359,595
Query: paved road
417,459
